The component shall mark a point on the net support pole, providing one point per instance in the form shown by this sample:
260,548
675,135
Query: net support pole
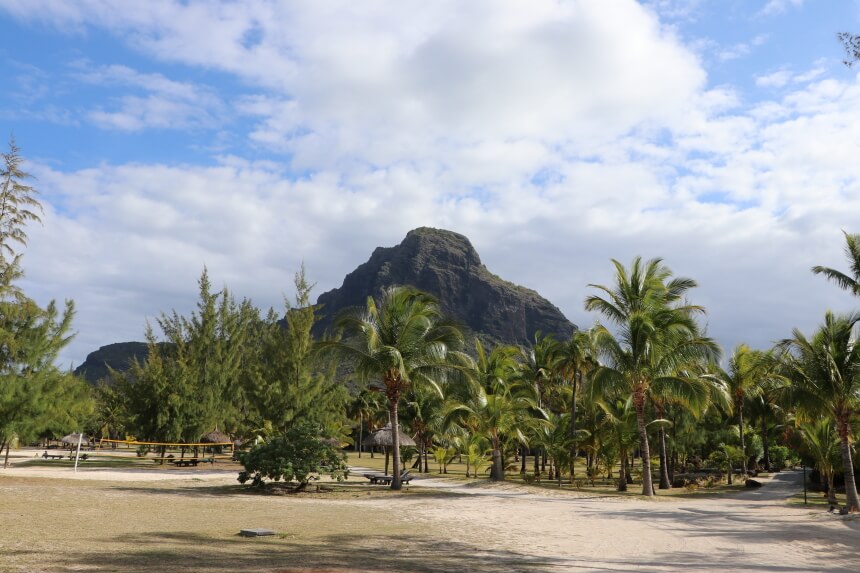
78,453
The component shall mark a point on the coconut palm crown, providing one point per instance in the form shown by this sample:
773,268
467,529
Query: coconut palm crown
851,282
657,338
401,340
825,380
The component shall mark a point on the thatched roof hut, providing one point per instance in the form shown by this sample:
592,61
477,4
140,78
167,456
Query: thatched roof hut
215,437
72,439
385,437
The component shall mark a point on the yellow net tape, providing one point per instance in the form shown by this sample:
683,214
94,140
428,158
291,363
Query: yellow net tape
136,443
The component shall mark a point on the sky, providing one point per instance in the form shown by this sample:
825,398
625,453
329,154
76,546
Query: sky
248,136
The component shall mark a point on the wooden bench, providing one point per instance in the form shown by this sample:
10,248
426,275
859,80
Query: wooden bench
381,479
185,462
48,456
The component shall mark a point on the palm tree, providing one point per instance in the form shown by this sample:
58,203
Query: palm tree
852,252
500,414
491,374
401,341
825,376
474,447
539,366
423,407
620,419
539,369
822,443
765,407
366,407
554,439
657,337
575,359
743,380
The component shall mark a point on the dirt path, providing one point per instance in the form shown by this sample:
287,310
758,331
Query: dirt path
752,530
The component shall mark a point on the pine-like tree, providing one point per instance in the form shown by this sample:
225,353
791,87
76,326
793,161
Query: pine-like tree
283,384
31,337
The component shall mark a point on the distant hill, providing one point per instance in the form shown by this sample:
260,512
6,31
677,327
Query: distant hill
118,356
446,265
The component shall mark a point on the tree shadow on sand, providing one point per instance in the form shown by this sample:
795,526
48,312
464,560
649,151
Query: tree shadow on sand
336,553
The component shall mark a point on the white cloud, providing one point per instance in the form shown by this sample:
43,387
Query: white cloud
742,49
775,79
779,6
782,77
382,81
555,135
164,103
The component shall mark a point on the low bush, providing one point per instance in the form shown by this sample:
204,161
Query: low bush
297,456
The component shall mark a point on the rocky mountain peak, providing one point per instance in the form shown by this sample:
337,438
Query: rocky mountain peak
446,265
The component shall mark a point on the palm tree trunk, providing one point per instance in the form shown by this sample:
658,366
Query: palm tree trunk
673,453
644,451
831,491
848,466
664,462
498,471
743,443
765,444
523,461
360,434
573,428
622,477
395,454
6,443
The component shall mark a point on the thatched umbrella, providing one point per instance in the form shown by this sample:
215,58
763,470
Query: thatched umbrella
385,438
72,439
216,437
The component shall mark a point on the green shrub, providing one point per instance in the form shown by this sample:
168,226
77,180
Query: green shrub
779,457
297,456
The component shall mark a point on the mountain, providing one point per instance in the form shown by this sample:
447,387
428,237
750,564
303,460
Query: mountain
439,262
117,356
447,266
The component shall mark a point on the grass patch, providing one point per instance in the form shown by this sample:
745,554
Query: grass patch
54,525
603,486
89,463
815,499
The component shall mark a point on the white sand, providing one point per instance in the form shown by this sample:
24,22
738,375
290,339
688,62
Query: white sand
200,473
754,530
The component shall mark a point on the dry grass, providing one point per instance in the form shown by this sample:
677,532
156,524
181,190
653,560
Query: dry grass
188,524
75,525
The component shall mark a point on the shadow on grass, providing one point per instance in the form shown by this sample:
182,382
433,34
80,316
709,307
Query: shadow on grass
408,552
327,491
364,553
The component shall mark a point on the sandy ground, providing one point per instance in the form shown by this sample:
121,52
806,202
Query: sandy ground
145,473
438,525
